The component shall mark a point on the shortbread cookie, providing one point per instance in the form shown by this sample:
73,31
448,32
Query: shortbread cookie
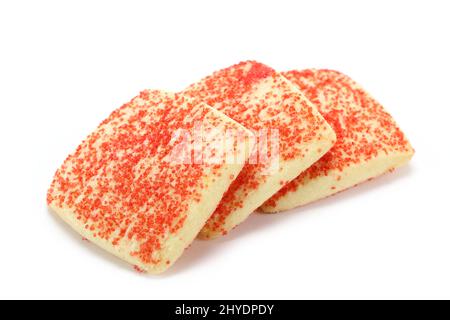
130,189
369,142
262,100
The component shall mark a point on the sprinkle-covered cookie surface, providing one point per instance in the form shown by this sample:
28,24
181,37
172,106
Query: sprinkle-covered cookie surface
123,190
262,100
369,142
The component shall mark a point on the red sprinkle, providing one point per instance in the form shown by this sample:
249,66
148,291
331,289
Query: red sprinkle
137,269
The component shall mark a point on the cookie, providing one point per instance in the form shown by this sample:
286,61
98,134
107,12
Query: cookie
291,135
138,186
369,142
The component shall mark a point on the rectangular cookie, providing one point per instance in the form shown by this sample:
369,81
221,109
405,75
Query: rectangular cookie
369,142
262,100
131,188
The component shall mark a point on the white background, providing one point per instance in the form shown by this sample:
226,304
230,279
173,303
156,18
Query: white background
64,66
